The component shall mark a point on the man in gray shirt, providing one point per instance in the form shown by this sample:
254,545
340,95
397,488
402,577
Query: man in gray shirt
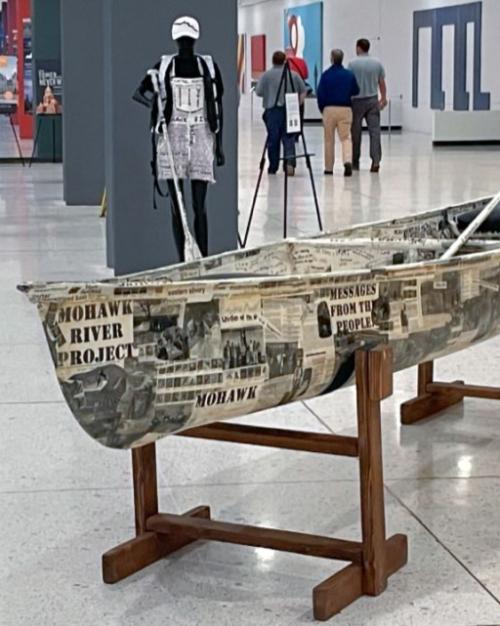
370,74
275,111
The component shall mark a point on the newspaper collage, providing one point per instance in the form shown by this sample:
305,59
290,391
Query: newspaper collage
134,370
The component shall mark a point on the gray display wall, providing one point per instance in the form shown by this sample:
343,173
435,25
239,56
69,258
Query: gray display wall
136,35
83,116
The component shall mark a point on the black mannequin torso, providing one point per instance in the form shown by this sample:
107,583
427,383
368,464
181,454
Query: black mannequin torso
186,64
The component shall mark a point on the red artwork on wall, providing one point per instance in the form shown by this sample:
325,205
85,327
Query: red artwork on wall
258,44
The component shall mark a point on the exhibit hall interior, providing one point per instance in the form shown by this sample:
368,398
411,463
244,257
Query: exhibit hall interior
249,312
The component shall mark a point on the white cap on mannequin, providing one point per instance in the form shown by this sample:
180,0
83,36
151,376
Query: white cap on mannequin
185,27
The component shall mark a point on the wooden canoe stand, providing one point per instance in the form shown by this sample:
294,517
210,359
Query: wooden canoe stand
372,560
434,397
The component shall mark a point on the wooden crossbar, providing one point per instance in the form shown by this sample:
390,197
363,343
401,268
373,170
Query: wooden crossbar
467,391
277,438
271,538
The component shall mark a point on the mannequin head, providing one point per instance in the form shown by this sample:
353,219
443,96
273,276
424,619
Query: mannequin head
185,32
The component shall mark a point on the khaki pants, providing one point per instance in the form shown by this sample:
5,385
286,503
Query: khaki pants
339,118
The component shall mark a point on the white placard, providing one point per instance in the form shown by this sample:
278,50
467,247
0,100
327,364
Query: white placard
293,124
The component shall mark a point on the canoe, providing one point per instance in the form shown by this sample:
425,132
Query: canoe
151,354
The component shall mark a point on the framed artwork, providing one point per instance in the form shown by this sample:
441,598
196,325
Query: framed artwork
303,38
8,80
258,55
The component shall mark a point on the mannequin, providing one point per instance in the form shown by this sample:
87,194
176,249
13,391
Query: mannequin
192,91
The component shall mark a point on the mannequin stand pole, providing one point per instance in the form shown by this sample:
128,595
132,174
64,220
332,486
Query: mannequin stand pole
372,560
16,139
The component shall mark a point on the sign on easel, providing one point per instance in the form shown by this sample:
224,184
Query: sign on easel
293,121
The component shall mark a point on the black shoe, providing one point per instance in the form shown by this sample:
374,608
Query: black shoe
375,169
355,166
347,169
328,172
271,172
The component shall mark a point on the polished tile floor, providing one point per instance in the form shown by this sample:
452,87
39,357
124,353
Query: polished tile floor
64,500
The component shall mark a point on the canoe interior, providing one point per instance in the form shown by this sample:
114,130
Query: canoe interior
419,237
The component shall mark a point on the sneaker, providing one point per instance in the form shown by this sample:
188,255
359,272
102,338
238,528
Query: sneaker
355,166
347,169
328,172
290,170
375,168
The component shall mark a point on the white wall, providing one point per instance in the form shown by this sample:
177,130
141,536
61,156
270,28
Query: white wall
344,21
389,26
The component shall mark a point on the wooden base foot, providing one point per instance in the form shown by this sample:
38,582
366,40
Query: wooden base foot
134,555
434,397
345,587
430,403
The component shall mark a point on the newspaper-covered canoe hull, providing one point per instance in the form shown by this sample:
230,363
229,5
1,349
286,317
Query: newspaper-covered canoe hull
149,355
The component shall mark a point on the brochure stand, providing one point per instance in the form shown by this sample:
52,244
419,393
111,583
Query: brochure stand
371,560
9,111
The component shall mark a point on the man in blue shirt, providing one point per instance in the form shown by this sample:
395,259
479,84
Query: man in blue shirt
335,92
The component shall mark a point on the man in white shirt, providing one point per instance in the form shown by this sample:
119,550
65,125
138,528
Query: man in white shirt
370,75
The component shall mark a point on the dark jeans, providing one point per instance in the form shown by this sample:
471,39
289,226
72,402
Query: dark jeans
275,121
366,109
199,196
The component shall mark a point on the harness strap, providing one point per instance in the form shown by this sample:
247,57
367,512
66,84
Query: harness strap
210,64
155,132
166,61
211,68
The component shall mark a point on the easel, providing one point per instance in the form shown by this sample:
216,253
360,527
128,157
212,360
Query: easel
372,560
9,112
286,77
434,397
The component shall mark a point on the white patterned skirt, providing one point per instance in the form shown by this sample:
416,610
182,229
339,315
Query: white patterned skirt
193,148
